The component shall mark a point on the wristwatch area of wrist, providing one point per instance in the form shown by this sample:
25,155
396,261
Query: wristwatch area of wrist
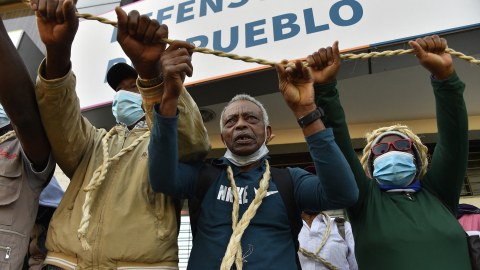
309,118
151,82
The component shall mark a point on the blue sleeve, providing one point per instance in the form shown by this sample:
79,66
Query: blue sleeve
334,186
165,174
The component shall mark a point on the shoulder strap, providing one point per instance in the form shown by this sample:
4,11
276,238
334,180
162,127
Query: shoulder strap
284,182
208,174
341,226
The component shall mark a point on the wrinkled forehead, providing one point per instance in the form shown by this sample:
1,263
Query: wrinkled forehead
240,107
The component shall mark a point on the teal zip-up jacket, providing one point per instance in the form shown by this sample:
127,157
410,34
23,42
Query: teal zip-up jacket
392,231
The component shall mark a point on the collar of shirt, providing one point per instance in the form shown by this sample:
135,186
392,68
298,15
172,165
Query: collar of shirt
225,162
319,223
140,124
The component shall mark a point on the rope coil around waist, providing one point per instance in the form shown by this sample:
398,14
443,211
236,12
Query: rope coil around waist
7,136
96,181
234,248
315,255
260,61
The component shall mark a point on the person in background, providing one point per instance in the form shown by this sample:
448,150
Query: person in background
331,236
26,163
49,200
403,217
109,217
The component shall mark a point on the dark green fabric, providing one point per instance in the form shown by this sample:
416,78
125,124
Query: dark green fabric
390,230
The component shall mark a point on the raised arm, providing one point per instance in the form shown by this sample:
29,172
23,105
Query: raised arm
68,132
449,163
325,65
139,36
335,186
17,96
166,174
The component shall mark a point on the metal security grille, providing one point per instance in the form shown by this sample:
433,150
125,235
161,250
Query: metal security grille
184,242
471,185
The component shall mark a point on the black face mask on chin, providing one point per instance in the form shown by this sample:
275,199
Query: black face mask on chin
311,213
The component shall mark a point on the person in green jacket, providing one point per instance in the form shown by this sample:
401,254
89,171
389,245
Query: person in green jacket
400,220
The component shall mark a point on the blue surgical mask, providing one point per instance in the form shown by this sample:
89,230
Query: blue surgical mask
127,107
4,120
395,169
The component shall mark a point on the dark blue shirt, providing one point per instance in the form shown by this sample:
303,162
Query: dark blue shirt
267,241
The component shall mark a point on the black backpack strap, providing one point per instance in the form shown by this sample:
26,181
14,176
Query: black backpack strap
178,209
340,226
284,182
208,174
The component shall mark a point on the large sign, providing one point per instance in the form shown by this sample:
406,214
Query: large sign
268,29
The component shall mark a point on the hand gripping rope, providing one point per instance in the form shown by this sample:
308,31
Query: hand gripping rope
250,59
315,255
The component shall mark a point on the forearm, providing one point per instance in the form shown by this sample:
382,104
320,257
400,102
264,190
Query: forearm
69,133
449,162
17,96
334,186
166,174
338,188
57,63
327,97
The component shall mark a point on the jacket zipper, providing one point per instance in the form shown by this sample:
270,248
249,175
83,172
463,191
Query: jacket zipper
101,214
7,251
13,232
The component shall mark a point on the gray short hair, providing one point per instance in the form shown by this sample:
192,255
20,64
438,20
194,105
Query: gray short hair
249,98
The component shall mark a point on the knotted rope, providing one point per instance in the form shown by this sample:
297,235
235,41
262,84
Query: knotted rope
250,59
7,136
97,179
315,255
234,248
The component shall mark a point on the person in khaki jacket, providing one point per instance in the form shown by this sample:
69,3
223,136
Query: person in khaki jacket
26,165
109,217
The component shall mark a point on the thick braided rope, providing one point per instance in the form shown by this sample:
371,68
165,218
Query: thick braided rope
250,59
7,136
235,239
315,255
236,207
96,181
422,149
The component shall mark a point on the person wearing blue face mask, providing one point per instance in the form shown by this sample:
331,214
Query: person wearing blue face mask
108,209
402,219
127,103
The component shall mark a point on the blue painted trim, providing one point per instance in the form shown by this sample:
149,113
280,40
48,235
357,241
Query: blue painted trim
422,35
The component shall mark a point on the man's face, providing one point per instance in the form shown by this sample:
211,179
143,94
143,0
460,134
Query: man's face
128,84
244,128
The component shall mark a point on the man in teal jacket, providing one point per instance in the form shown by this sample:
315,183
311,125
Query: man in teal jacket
399,221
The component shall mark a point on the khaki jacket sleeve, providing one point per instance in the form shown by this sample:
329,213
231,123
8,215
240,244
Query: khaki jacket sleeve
68,131
193,141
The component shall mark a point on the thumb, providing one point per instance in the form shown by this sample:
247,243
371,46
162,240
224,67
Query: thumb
122,23
69,13
336,53
419,52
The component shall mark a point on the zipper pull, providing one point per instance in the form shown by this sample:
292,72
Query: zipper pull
408,195
7,254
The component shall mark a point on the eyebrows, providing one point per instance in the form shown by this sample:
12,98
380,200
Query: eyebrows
246,113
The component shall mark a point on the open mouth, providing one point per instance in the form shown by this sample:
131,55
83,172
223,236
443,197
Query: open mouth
243,138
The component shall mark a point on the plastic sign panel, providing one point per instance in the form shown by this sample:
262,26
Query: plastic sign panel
268,29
